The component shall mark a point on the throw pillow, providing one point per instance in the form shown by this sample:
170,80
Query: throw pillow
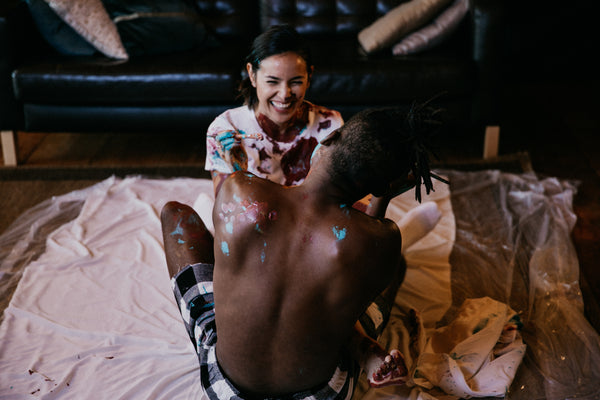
434,33
397,23
57,32
91,21
158,26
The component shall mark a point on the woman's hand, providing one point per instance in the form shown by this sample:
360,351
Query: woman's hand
228,139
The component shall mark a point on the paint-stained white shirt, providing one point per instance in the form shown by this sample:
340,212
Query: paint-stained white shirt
285,162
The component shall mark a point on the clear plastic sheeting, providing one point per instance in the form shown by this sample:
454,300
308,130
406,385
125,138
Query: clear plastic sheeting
513,243
502,236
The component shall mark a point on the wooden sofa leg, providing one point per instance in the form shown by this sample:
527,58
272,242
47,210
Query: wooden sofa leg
490,144
9,151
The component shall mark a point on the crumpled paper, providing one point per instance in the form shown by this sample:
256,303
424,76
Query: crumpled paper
476,355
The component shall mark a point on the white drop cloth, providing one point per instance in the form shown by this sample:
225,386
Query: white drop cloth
93,317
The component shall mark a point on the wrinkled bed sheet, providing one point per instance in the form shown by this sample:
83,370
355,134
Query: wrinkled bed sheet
92,314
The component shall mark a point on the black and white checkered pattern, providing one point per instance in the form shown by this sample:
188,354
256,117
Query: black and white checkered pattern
193,291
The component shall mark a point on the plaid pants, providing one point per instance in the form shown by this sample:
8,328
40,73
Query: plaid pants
193,290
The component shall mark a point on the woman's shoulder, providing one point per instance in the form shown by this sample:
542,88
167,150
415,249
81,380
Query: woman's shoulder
241,112
233,118
323,112
322,119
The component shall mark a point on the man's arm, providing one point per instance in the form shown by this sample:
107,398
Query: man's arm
378,205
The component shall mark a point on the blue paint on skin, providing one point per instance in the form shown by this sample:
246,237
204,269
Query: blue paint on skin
180,241
313,153
178,230
339,233
263,256
225,248
345,209
229,227
193,219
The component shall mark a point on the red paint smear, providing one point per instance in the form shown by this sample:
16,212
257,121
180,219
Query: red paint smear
326,113
263,155
324,125
295,163
239,158
272,129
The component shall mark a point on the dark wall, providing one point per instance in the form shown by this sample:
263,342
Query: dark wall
551,40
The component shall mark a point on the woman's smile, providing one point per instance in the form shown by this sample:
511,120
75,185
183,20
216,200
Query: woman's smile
281,83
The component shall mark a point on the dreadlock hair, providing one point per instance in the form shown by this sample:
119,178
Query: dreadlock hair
379,146
278,39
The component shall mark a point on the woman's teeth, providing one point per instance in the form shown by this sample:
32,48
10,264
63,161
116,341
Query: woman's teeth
281,105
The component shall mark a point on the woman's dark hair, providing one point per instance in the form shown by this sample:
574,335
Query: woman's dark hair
378,146
278,39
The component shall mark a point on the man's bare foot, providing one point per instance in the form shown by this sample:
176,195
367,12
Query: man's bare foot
390,370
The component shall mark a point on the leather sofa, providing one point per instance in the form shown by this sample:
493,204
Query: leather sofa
42,90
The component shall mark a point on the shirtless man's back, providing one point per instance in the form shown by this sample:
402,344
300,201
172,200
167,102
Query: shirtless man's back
291,269
294,269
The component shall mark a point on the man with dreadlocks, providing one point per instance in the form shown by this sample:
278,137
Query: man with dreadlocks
295,267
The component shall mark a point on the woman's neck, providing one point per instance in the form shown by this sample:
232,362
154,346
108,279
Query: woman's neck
285,132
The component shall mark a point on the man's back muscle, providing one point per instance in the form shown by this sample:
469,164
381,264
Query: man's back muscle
291,278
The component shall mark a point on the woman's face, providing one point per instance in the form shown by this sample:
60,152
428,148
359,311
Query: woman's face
281,83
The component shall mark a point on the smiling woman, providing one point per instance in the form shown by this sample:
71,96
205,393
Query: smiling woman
280,82
274,133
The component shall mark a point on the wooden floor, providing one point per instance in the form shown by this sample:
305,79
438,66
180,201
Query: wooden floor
558,124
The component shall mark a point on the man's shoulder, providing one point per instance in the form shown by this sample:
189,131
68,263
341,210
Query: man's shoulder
236,179
382,229
379,237
244,182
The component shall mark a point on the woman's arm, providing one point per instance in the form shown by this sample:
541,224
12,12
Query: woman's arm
218,178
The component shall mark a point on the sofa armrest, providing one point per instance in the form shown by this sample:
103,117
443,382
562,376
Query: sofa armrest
488,18
10,16
20,42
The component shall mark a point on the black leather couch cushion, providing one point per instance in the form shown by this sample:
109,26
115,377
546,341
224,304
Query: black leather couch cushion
344,76
158,26
230,19
203,77
151,119
316,17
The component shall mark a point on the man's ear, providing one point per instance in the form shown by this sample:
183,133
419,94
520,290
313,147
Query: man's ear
251,74
332,137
